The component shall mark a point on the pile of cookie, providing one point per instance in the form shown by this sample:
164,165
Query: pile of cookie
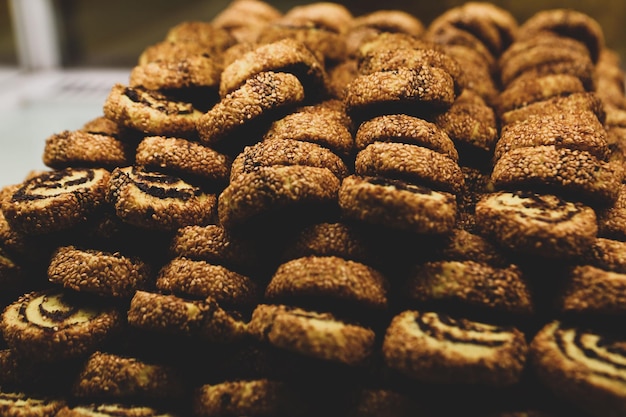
315,213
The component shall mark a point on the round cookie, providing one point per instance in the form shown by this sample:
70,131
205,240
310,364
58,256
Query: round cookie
56,200
275,190
243,19
579,130
470,283
20,404
172,315
262,94
590,290
463,245
525,91
607,254
328,277
151,111
80,148
216,245
51,325
397,205
112,377
184,158
323,126
612,219
403,128
435,348
287,56
538,224
262,397
98,272
168,50
277,152
583,367
201,32
199,279
559,170
416,91
158,201
312,334
411,163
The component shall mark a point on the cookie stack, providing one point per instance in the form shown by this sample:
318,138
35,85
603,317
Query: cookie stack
314,213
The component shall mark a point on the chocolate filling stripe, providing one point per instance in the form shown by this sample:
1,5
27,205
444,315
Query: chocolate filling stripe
438,332
51,182
589,352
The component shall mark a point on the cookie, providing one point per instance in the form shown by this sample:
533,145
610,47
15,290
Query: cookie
286,56
323,126
539,224
56,200
397,204
580,130
262,95
525,91
333,17
199,280
20,404
79,148
216,245
51,325
172,315
581,366
416,91
246,397
591,291
154,200
565,22
169,50
185,158
402,128
151,112
201,32
197,71
559,170
101,125
98,272
607,254
278,152
244,19
451,283
328,277
436,348
277,190
411,163
612,219
463,245
312,334
112,377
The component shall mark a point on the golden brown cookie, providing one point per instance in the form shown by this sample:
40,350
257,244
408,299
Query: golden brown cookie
592,291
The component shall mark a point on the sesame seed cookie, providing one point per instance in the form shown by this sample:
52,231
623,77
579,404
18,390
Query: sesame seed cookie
173,315
612,219
470,283
539,224
243,19
51,325
111,410
437,348
462,43
201,32
56,200
590,290
411,163
559,170
98,272
263,93
312,334
200,279
151,112
322,277
273,152
397,204
579,130
158,201
277,190
582,366
108,376
191,160
21,404
403,128
286,55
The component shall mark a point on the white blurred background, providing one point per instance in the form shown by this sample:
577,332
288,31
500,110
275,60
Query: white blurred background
59,58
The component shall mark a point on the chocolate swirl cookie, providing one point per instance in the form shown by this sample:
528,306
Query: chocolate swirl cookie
52,325
111,410
56,200
158,201
20,404
434,347
584,367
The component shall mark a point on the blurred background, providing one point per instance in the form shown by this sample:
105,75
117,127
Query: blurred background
59,58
